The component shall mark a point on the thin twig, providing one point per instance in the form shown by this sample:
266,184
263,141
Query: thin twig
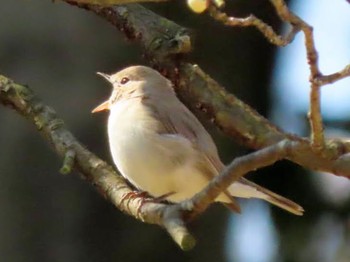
329,79
288,16
252,20
315,117
241,166
316,78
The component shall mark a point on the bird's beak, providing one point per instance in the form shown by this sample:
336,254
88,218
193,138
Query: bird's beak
105,105
101,107
105,76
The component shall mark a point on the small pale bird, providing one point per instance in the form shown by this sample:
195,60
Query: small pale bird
160,146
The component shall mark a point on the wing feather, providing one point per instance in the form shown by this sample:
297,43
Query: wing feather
189,127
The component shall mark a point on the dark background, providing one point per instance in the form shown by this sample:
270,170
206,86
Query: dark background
56,49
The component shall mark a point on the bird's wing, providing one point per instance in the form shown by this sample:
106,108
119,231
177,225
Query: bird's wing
189,127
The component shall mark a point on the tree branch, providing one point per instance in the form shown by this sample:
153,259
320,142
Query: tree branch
252,20
240,121
315,118
329,79
162,40
160,37
238,168
196,88
111,185
317,79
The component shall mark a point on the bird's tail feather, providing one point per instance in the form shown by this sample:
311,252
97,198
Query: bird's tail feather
252,190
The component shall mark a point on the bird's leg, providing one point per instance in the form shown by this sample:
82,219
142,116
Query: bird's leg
134,194
153,200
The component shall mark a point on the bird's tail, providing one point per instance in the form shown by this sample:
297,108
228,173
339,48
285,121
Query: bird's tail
247,189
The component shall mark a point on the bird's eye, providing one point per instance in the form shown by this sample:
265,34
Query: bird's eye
124,80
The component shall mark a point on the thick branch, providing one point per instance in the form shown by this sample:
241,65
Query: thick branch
197,89
160,36
111,185
238,120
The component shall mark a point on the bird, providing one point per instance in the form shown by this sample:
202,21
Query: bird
161,148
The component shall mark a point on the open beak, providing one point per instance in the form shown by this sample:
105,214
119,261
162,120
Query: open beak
105,105
102,107
105,76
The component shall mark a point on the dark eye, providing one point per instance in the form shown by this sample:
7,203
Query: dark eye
124,80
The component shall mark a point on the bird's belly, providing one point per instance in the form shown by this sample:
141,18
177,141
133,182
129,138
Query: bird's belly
158,164
149,165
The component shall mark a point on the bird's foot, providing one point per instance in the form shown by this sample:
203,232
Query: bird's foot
132,195
152,200
143,196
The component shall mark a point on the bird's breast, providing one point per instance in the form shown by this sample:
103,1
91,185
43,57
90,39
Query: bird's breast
154,162
137,149
131,131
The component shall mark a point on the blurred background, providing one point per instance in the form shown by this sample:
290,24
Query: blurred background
56,50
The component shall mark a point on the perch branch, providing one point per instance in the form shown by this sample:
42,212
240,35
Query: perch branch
111,185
